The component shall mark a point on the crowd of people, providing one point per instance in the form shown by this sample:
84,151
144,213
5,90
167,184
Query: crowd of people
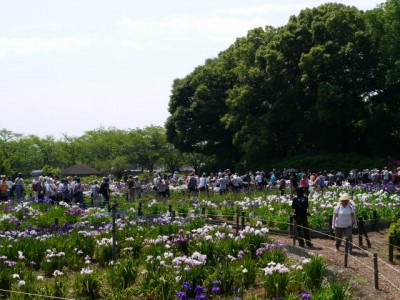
301,183
71,190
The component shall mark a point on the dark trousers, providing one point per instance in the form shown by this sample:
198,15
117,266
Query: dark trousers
303,234
347,232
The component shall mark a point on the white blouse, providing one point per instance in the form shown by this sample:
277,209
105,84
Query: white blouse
343,216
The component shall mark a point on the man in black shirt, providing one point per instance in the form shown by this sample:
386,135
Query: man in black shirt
300,206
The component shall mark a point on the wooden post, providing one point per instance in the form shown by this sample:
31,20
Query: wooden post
360,239
173,215
330,225
242,219
56,221
346,252
114,247
291,226
169,208
294,225
237,223
376,273
391,242
140,208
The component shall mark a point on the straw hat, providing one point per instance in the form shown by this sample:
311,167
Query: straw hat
344,197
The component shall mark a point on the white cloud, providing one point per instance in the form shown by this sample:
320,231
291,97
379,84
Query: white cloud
286,7
20,46
183,27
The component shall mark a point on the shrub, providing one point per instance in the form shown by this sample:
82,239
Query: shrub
394,231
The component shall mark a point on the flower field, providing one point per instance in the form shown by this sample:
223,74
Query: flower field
183,247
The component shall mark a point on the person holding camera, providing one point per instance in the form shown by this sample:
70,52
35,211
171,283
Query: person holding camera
300,206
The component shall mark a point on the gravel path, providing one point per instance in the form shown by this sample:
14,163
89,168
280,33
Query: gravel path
360,272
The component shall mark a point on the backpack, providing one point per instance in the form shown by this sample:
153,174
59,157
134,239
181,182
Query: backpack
192,182
300,205
322,183
4,186
65,192
36,186
102,189
130,184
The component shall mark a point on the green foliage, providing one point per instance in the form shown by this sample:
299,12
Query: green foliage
87,285
335,291
314,273
5,280
275,282
123,274
309,72
103,251
394,231
333,161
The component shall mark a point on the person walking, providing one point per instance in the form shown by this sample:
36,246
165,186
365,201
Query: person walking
282,185
300,206
343,221
104,190
95,194
3,188
19,186
138,187
131,189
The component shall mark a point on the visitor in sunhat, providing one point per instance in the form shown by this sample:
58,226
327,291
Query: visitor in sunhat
343,221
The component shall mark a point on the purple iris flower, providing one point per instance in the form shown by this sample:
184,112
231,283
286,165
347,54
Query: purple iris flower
200,297
187,285
216,282
182,295
198,289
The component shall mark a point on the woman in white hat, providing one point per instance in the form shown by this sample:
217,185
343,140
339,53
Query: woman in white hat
343,221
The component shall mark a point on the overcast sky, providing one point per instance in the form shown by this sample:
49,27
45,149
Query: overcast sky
70,66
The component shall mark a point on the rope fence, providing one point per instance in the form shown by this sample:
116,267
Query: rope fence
36,295
375,256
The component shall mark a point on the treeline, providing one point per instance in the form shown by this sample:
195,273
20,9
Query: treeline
327,82
109,150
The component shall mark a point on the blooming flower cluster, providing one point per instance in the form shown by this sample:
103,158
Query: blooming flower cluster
268,247
196,259
248,230
50,253
86,271
57,273
199,292
75,210
273,267
105,242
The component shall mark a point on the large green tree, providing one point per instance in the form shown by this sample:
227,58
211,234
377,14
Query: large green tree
326,82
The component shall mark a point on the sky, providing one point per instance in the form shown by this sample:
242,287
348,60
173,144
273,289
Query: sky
70,66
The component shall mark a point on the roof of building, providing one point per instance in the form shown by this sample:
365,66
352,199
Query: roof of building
79,170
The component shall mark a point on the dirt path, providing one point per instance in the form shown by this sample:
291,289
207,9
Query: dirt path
360,272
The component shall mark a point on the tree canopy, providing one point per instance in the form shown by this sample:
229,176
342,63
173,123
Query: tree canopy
326,82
